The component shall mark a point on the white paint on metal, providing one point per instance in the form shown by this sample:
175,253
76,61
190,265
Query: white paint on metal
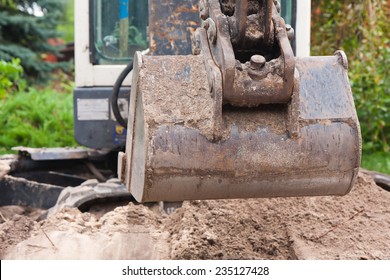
303,25
87,74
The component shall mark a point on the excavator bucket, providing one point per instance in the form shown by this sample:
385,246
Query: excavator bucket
228,122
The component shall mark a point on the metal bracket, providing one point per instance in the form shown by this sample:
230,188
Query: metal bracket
245,83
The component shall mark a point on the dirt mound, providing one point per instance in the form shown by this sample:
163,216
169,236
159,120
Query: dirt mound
128,232
355,226
235,229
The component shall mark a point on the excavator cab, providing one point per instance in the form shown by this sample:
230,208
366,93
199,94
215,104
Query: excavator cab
107,35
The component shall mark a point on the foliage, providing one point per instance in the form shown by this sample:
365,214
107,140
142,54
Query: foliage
25,28
66,26
9,3
378,161
11,77
38,118
361,29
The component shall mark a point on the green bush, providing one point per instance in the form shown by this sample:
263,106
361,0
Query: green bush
11,77
361,29
38,118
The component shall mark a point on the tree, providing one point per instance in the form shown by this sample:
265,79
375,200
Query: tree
361,29
25,28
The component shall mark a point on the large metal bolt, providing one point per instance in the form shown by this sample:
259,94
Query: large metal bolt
290,32
257,62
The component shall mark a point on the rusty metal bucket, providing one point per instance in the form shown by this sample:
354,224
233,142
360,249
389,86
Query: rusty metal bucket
180,147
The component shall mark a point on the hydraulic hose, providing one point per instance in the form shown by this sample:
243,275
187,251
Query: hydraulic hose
115,94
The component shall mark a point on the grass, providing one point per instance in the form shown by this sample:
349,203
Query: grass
37,118
378,161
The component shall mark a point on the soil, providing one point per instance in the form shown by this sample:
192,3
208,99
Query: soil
190,93
355,226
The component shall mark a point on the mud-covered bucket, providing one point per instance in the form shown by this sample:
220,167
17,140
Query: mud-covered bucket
179,149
